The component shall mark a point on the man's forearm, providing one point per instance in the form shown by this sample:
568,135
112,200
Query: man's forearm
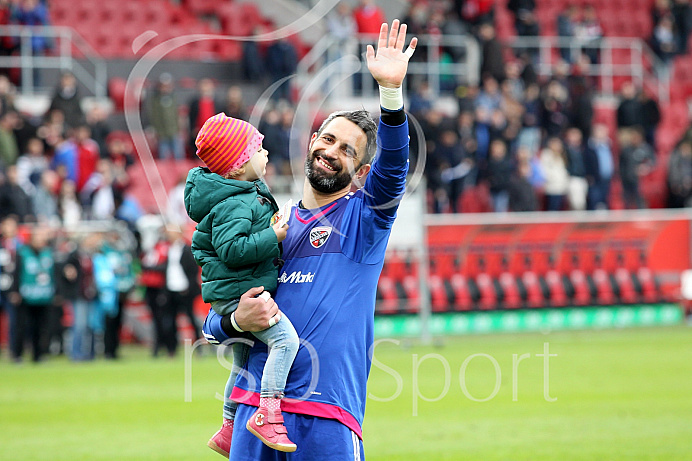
392,117
218,328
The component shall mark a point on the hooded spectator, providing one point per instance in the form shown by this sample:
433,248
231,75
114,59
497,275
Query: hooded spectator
68,101
680,176
576,166
636,161
13,199
630,110
164,119
499,175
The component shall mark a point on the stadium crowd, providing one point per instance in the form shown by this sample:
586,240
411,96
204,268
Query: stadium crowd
64,290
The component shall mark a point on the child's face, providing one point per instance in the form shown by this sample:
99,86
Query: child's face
257,166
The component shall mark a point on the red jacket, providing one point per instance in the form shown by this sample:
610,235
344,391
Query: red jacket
87,157
154,266
369,19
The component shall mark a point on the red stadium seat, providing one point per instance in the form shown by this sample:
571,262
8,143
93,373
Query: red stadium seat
625,285
486,287
412,289
250,12
558,296
647,282
473,264
109,12
534,292
610,24
122,21
511,296
239,19
604,290
443,264
201,7
396,266
412,262
642,25
463,300
388,299
582,292
60,14
504,23
438,294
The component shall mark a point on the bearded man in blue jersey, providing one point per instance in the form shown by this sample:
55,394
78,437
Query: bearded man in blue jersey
333,255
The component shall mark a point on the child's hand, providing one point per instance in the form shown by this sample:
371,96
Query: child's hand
280,231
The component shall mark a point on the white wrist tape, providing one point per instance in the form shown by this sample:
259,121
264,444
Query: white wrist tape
235,325
391,98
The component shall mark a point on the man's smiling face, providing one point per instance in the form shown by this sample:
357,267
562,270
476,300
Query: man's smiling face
335,155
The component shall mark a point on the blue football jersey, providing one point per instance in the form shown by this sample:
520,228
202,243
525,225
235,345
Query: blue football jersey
327,287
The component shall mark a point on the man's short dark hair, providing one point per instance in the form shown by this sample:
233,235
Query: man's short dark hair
365,122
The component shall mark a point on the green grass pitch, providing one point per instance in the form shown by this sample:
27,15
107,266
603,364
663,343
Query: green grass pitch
621,395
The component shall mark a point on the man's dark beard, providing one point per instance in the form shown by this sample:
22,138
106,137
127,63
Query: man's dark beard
324,183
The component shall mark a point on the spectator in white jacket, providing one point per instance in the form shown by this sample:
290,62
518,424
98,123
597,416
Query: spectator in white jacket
554,164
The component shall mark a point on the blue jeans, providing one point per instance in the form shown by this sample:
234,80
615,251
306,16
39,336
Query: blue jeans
283,343
530,137
82,334
598,195
171,147
554,202
500,201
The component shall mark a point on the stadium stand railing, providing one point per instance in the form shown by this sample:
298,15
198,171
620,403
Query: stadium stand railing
620,59
433,67
69,52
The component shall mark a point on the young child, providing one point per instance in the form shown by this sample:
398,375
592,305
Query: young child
236,247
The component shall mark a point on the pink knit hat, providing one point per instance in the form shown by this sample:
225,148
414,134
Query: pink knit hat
225,143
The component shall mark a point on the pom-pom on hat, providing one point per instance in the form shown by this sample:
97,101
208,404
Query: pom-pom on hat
226,143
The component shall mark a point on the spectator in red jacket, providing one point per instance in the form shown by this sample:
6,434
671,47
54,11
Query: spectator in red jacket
87,155
474,12
67,100
369,17
202,106
153,278
6,43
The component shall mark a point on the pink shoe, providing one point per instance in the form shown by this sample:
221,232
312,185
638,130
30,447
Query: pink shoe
268,426
221,441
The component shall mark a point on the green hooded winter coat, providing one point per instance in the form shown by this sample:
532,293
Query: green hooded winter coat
233,241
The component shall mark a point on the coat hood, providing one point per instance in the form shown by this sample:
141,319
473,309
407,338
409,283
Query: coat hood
204,190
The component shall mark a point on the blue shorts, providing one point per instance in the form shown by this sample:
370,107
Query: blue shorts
318,439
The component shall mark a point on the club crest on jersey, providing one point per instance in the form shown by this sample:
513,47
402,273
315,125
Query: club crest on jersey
319,236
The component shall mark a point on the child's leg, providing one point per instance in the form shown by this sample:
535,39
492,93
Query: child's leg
283,343
240,352
221,441
267,422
